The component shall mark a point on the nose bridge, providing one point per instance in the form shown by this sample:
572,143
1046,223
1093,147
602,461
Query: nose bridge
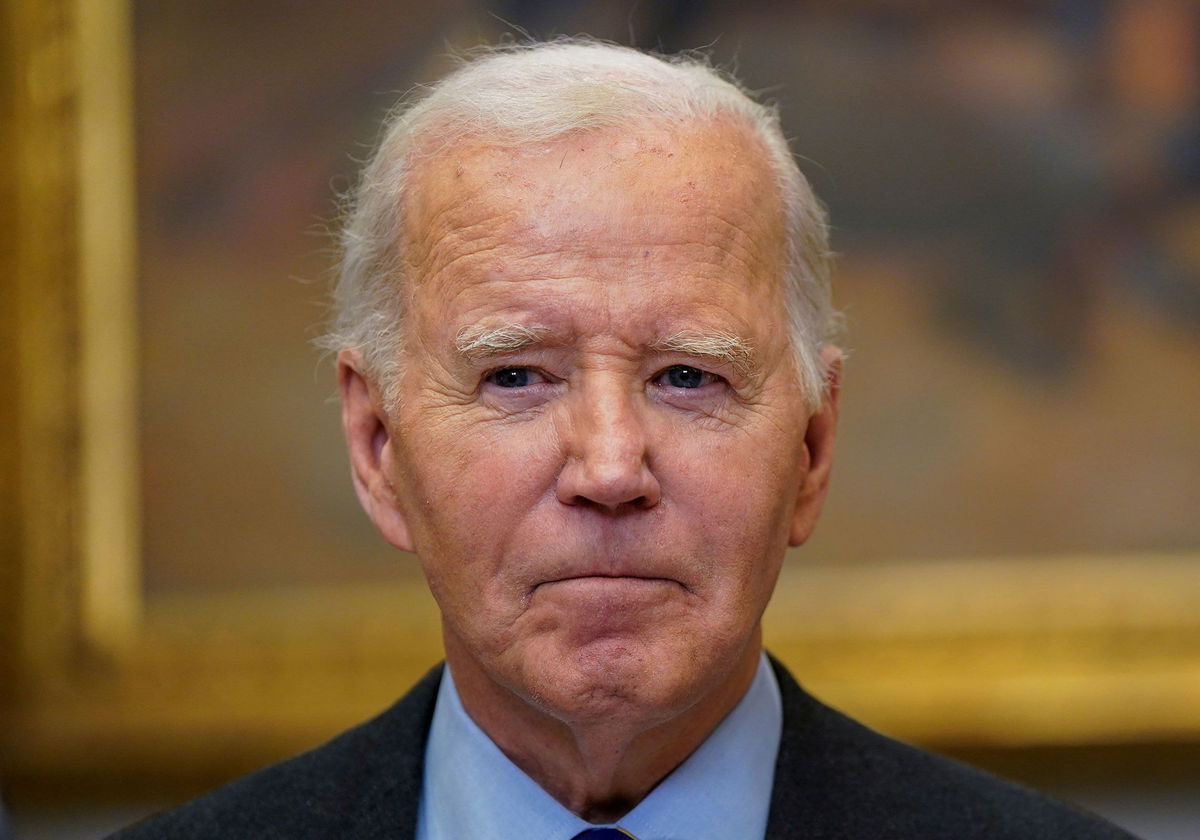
607,460
611,425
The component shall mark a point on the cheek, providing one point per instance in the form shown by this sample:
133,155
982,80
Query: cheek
742,482
735,494
471,487
451,455
497,467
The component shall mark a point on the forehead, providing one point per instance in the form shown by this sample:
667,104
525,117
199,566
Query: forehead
612,204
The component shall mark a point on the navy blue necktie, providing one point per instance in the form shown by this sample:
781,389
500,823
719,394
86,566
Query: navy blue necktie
603,834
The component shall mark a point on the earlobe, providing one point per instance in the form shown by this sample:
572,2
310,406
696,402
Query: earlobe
368,440
818,447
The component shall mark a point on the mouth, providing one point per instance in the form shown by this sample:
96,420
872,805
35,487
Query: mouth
602,576
631,586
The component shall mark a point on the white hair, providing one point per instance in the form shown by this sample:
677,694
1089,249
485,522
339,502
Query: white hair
531,93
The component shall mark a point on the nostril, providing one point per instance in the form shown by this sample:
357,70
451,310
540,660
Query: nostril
639,503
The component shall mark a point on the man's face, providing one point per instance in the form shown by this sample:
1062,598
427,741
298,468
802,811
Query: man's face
601,451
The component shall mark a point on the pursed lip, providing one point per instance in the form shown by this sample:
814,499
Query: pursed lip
611,575
614,577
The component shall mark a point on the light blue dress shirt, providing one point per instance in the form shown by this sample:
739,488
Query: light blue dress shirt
721,792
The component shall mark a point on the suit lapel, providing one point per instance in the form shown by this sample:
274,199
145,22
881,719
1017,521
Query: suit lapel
392,753
792,812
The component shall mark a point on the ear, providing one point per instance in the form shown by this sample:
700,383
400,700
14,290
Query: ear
368,439
818,451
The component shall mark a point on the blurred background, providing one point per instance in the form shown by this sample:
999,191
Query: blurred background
1014,189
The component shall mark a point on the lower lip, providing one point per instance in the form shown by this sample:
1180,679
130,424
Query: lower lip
590,608
602,584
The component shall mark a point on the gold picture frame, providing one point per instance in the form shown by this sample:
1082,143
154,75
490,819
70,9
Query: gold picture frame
97,681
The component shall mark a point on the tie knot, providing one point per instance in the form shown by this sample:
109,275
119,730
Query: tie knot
604,834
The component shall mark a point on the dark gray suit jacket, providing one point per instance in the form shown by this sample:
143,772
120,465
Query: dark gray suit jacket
834,779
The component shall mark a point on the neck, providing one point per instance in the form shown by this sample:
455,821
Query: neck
599,769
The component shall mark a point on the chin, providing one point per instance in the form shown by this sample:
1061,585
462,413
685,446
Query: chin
612,679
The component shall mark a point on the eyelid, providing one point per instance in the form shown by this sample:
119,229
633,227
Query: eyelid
714,377
725,368
541,375
709,366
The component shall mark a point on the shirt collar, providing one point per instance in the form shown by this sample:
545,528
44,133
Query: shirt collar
472,789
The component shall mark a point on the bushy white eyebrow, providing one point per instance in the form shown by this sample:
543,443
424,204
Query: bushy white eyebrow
723,347
480,342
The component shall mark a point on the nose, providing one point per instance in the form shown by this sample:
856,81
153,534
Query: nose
607,464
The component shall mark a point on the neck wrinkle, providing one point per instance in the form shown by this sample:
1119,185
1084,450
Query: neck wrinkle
600,771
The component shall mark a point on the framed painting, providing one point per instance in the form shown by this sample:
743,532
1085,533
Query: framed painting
1009,556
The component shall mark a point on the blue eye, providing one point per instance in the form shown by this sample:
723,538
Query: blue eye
511,377
682,376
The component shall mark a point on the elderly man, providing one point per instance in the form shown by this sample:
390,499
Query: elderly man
584,351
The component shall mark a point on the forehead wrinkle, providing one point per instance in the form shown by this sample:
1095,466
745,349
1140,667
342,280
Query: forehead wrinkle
440,246
722,346
753,244
492,206
452,212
